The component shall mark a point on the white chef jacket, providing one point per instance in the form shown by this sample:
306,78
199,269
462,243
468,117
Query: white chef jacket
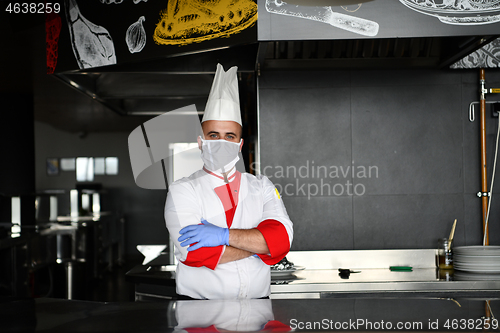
254,203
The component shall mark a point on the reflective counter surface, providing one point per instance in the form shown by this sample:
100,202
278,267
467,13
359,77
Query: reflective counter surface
380,313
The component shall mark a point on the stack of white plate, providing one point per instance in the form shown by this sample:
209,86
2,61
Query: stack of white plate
477,259
466,276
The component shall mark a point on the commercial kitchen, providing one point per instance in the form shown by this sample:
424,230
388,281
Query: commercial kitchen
377,121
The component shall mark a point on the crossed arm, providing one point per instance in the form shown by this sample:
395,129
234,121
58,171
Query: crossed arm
244,243
240,243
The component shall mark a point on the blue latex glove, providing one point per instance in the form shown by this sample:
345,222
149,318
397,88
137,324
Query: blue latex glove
204,235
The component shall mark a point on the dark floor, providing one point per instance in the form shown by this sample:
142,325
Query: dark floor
113,287
109,285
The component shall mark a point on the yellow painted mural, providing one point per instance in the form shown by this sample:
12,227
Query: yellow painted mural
193,21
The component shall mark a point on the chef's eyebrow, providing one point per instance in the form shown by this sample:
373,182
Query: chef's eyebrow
227,133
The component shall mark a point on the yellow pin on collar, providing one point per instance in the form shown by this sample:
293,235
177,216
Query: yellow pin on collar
277,193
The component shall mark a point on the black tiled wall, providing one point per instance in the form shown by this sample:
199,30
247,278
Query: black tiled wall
394,155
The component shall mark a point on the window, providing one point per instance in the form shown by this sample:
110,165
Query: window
68,164
84,169
99,166
88,167
111,165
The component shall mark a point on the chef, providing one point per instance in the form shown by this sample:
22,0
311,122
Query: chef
227,226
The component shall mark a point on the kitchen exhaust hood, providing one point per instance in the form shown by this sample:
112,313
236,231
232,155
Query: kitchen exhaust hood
153,87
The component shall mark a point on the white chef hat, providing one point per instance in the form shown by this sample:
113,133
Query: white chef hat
224,101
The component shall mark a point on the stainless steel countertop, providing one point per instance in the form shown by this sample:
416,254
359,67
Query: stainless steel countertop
321,279
318,283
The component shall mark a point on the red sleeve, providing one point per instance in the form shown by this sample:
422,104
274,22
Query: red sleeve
277,241
201,329
204,256
276,326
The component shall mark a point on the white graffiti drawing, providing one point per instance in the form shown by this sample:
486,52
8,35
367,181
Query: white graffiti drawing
135,36
459,12
92,44
486,57
107,2
326,15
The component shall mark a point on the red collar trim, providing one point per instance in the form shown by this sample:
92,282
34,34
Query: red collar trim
220,177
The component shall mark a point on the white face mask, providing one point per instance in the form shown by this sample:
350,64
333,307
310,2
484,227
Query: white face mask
219,155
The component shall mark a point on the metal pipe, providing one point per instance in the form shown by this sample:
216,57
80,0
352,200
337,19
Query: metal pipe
69,280
484,179
484,183
487,311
